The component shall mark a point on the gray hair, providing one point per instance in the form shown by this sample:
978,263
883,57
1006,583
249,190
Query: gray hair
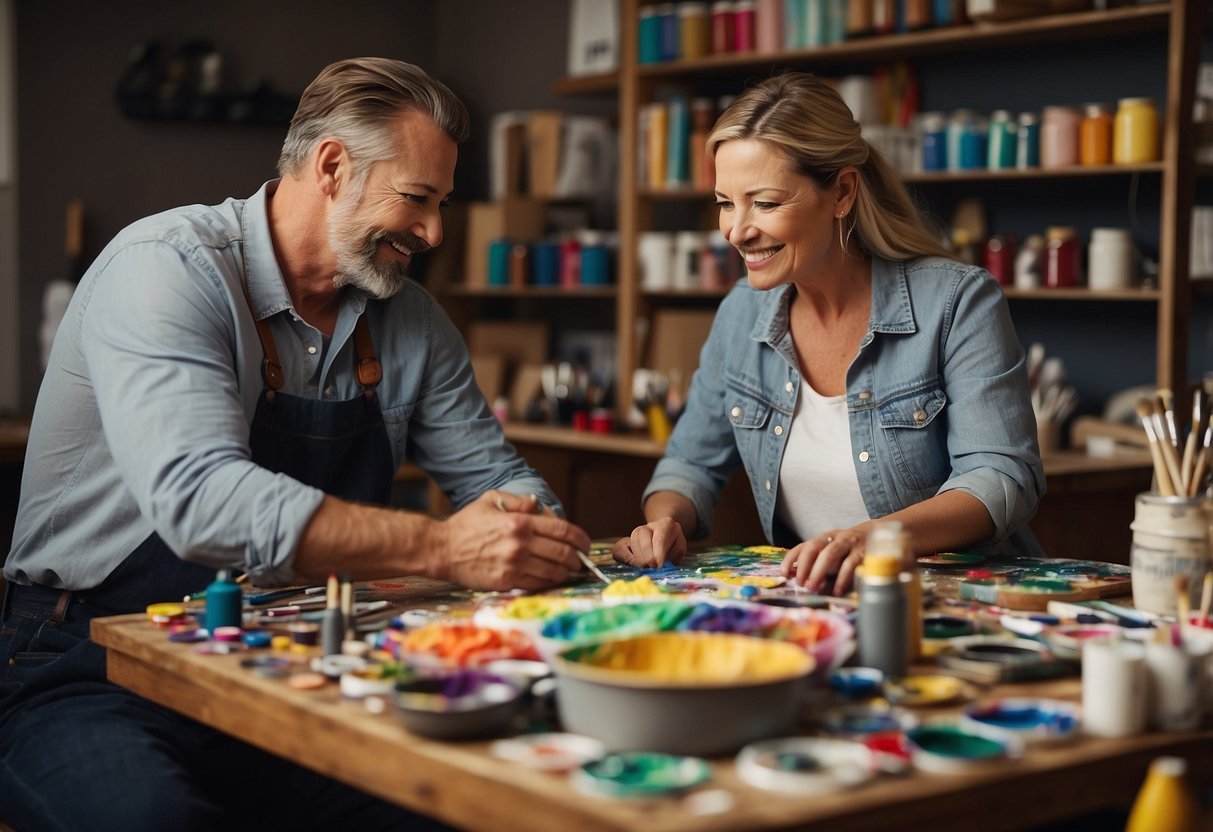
356,101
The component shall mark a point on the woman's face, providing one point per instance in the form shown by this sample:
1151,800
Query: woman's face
783,224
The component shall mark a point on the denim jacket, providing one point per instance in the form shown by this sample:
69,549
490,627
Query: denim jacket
937,399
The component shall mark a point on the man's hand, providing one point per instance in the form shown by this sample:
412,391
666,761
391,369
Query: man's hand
503,541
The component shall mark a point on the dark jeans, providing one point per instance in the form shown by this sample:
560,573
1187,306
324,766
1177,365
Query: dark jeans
79,753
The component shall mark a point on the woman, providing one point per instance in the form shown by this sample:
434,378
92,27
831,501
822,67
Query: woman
860,375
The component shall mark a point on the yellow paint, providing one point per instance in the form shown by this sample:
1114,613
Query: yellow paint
924,690
766,551
534,607
642,586
698,659
761,581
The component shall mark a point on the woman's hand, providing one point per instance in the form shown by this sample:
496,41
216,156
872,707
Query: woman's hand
830,557
652,545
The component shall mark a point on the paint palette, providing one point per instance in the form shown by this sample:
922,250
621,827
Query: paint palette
548,752
1031,583
994,659
640,774
864,721
1035,721
952,749
805,766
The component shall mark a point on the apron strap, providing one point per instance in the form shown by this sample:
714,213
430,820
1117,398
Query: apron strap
271,368
369,371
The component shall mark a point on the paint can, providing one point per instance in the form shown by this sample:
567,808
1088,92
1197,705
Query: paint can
1169,540
1113,688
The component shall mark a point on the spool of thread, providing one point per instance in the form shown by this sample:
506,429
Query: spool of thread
223,602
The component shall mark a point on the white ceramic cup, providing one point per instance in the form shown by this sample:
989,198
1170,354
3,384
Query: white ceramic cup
1113,688
1176,680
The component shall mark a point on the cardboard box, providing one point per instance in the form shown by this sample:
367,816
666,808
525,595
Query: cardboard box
516,218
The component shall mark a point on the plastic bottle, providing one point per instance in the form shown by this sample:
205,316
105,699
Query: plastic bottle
224,602
883,607
1164,803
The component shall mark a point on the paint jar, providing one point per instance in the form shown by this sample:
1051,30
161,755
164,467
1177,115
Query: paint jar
224,602
1061,257
1135,132
958,126
1169,540
1113,688
655,251
570,263
671,46
768,26
743,26
883,605
1095,135
1059,137
999,258
1110,259
499,263
693,30
1175,677
722,27
649,51
934,140
595,259
1165,802
1002,141
1027,142
545,264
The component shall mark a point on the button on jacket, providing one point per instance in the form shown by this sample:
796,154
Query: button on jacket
142,422
937,400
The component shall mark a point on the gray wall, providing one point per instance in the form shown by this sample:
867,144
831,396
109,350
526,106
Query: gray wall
73,142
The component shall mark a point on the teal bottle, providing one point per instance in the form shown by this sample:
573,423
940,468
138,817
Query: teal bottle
224,602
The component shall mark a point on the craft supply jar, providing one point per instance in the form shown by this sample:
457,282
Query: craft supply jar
694,31
722,27
1027,142
1059,137
1002,141
1170,539
649,35
744,26
768,26
1095,135
934,139
1110,259
1061,257
1135,132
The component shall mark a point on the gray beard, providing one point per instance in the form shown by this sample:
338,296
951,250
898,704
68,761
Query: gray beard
356,266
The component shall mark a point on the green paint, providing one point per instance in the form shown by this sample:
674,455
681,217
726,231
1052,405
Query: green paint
951,741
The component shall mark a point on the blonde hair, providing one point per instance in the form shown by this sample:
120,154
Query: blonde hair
806,119
357,101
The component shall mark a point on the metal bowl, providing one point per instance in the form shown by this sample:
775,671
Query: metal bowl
698,694
462,704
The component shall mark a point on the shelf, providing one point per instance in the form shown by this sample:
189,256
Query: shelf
630,444
671,294
586,85
967,38
1082,293
932,177
463,291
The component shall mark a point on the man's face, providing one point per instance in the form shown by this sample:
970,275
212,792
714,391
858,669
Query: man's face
394,212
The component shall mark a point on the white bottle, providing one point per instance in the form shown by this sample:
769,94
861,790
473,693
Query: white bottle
1110,259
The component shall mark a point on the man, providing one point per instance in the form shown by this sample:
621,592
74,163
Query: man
230,387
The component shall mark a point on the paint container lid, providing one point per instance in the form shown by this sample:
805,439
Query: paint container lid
805,766
639,774
257,638
1035,721
951,749
925,690
862,721
856,682
226,634
549,751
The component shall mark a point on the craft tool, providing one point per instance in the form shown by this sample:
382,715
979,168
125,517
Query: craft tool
589,564
263,598
347,611
1182,602
332,626
1145,410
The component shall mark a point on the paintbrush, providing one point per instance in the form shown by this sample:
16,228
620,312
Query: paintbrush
1166,443
589,564
1188,466
1166,405
1146,411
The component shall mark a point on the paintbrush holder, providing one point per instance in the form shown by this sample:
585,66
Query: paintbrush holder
1170,539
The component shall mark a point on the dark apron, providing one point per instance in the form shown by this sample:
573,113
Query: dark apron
339,447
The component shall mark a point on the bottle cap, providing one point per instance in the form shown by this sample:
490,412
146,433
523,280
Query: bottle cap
1170,766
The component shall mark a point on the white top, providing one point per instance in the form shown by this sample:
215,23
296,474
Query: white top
818,486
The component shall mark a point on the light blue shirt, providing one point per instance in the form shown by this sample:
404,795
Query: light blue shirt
142,421
937,400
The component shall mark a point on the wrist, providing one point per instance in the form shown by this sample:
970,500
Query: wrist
435,549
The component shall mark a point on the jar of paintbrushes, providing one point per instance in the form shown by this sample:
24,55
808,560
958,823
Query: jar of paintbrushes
1053,398
1171,524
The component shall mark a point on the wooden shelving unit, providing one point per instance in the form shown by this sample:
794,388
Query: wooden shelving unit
1183,22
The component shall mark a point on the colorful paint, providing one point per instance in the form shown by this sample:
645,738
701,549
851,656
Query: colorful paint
804,765
640,774
1035,720
693,659
950,748
642,587
924,690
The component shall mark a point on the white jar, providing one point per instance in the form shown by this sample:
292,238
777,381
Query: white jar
1110,259
688,245
655,250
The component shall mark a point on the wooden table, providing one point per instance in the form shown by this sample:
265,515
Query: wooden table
462,784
